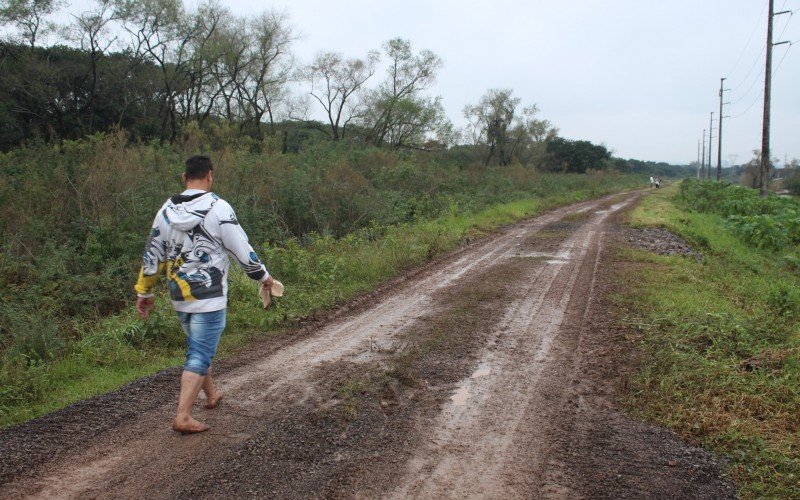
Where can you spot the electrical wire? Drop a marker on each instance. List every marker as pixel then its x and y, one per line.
pixel 752 85
pixel 761 72
pixel 752 67
pixel 782 58
pixel 749 39
pixel 786 25
pixel 761 53
pixel 758 98
pixel 787 48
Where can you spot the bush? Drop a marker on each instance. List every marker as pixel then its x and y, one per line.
pixel 331 220
pixel 770 222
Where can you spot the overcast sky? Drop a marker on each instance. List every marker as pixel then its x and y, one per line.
pixel 639 76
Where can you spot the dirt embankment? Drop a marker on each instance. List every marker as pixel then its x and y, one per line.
pixel 492 372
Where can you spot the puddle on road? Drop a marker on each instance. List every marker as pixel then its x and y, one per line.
pixel 559 257
pixel 460 397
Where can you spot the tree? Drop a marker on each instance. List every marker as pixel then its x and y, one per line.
pixel 397 113
pixel 90 30
pixel 751 175
pixel 268 72
pixel 792 177
pixel 29 17
pixel 162 32
pixel 505 133
pixel 336 84
pixel 208 48
pixel 564 155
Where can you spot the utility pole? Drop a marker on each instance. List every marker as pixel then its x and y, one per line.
pixel 698 159
pixel 703 165
pixel 710 137
pixel 719 134
pixel 764 182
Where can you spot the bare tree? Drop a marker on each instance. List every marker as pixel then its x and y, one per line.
pixel 268 71
pixel 29 17
pixel 398 106
pixel 336 83
pixel 506 133
pixel 206 48
pixel 162 32
pixel 91 31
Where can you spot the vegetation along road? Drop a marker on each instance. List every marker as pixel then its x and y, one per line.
pixel 492 371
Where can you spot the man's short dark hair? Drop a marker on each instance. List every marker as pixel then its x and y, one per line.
pixel 197 167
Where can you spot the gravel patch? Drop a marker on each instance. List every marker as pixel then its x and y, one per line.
pixel 660 241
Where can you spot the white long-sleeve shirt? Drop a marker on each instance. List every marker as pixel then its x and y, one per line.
pixel 193 234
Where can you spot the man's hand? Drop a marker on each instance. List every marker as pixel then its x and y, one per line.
pixel 268 284
pixel 144 305
pixel 265 292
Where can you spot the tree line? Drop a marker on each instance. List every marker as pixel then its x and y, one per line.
pixel 156 68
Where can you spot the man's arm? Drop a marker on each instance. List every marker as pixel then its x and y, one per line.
pixel 235 241
pixel 153 263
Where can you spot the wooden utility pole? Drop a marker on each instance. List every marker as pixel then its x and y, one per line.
pixel 764 178
pixel 703 165
pixel 719 134
pixel 698 159
pixel 710 137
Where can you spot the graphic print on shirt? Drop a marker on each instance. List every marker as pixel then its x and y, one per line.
pixel 253 267
pixel 191 277
pixel 192 238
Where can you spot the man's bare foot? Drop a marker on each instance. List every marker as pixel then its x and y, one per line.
pixel 213 400
pixel 188 425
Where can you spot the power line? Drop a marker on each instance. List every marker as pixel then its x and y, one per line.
pixel 763 48
pixel 785 26
pixel 787 23
pixel 757 25
pixel 758 98
pixel 782 58
pixel 751 87
pixel 760 73
pixel 752 67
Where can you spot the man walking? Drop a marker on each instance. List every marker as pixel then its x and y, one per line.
pixel 192 235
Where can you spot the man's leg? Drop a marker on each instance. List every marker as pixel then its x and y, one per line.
pixel 213 395
pixel 203 332
pixel 190 388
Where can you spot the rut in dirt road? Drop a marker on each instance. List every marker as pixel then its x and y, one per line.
pixel 488 411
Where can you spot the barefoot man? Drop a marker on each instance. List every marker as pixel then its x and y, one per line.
pixel 192 236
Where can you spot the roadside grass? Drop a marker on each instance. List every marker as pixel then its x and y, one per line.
pixel 720 346
pixel 319 272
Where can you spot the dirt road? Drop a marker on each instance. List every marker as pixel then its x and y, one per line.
pixel 489 373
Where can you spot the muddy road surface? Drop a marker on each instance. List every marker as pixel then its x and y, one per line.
pixel 490 373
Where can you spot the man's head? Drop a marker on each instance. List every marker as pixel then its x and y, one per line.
pixel 198 173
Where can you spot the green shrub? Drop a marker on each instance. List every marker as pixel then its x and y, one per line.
pixel 332 220
pixel 770 222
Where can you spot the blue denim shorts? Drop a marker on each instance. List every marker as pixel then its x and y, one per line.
pixel 203 331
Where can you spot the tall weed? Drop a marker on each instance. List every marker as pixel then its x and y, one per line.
pixel 332 221
pixel 771 222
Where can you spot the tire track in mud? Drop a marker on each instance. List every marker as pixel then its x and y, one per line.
pixel 494 437
pixel 125 454
pixel 469 453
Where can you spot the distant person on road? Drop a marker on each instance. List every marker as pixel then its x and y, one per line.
pixel 652 182
pixel 658 182
pixel 192 236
